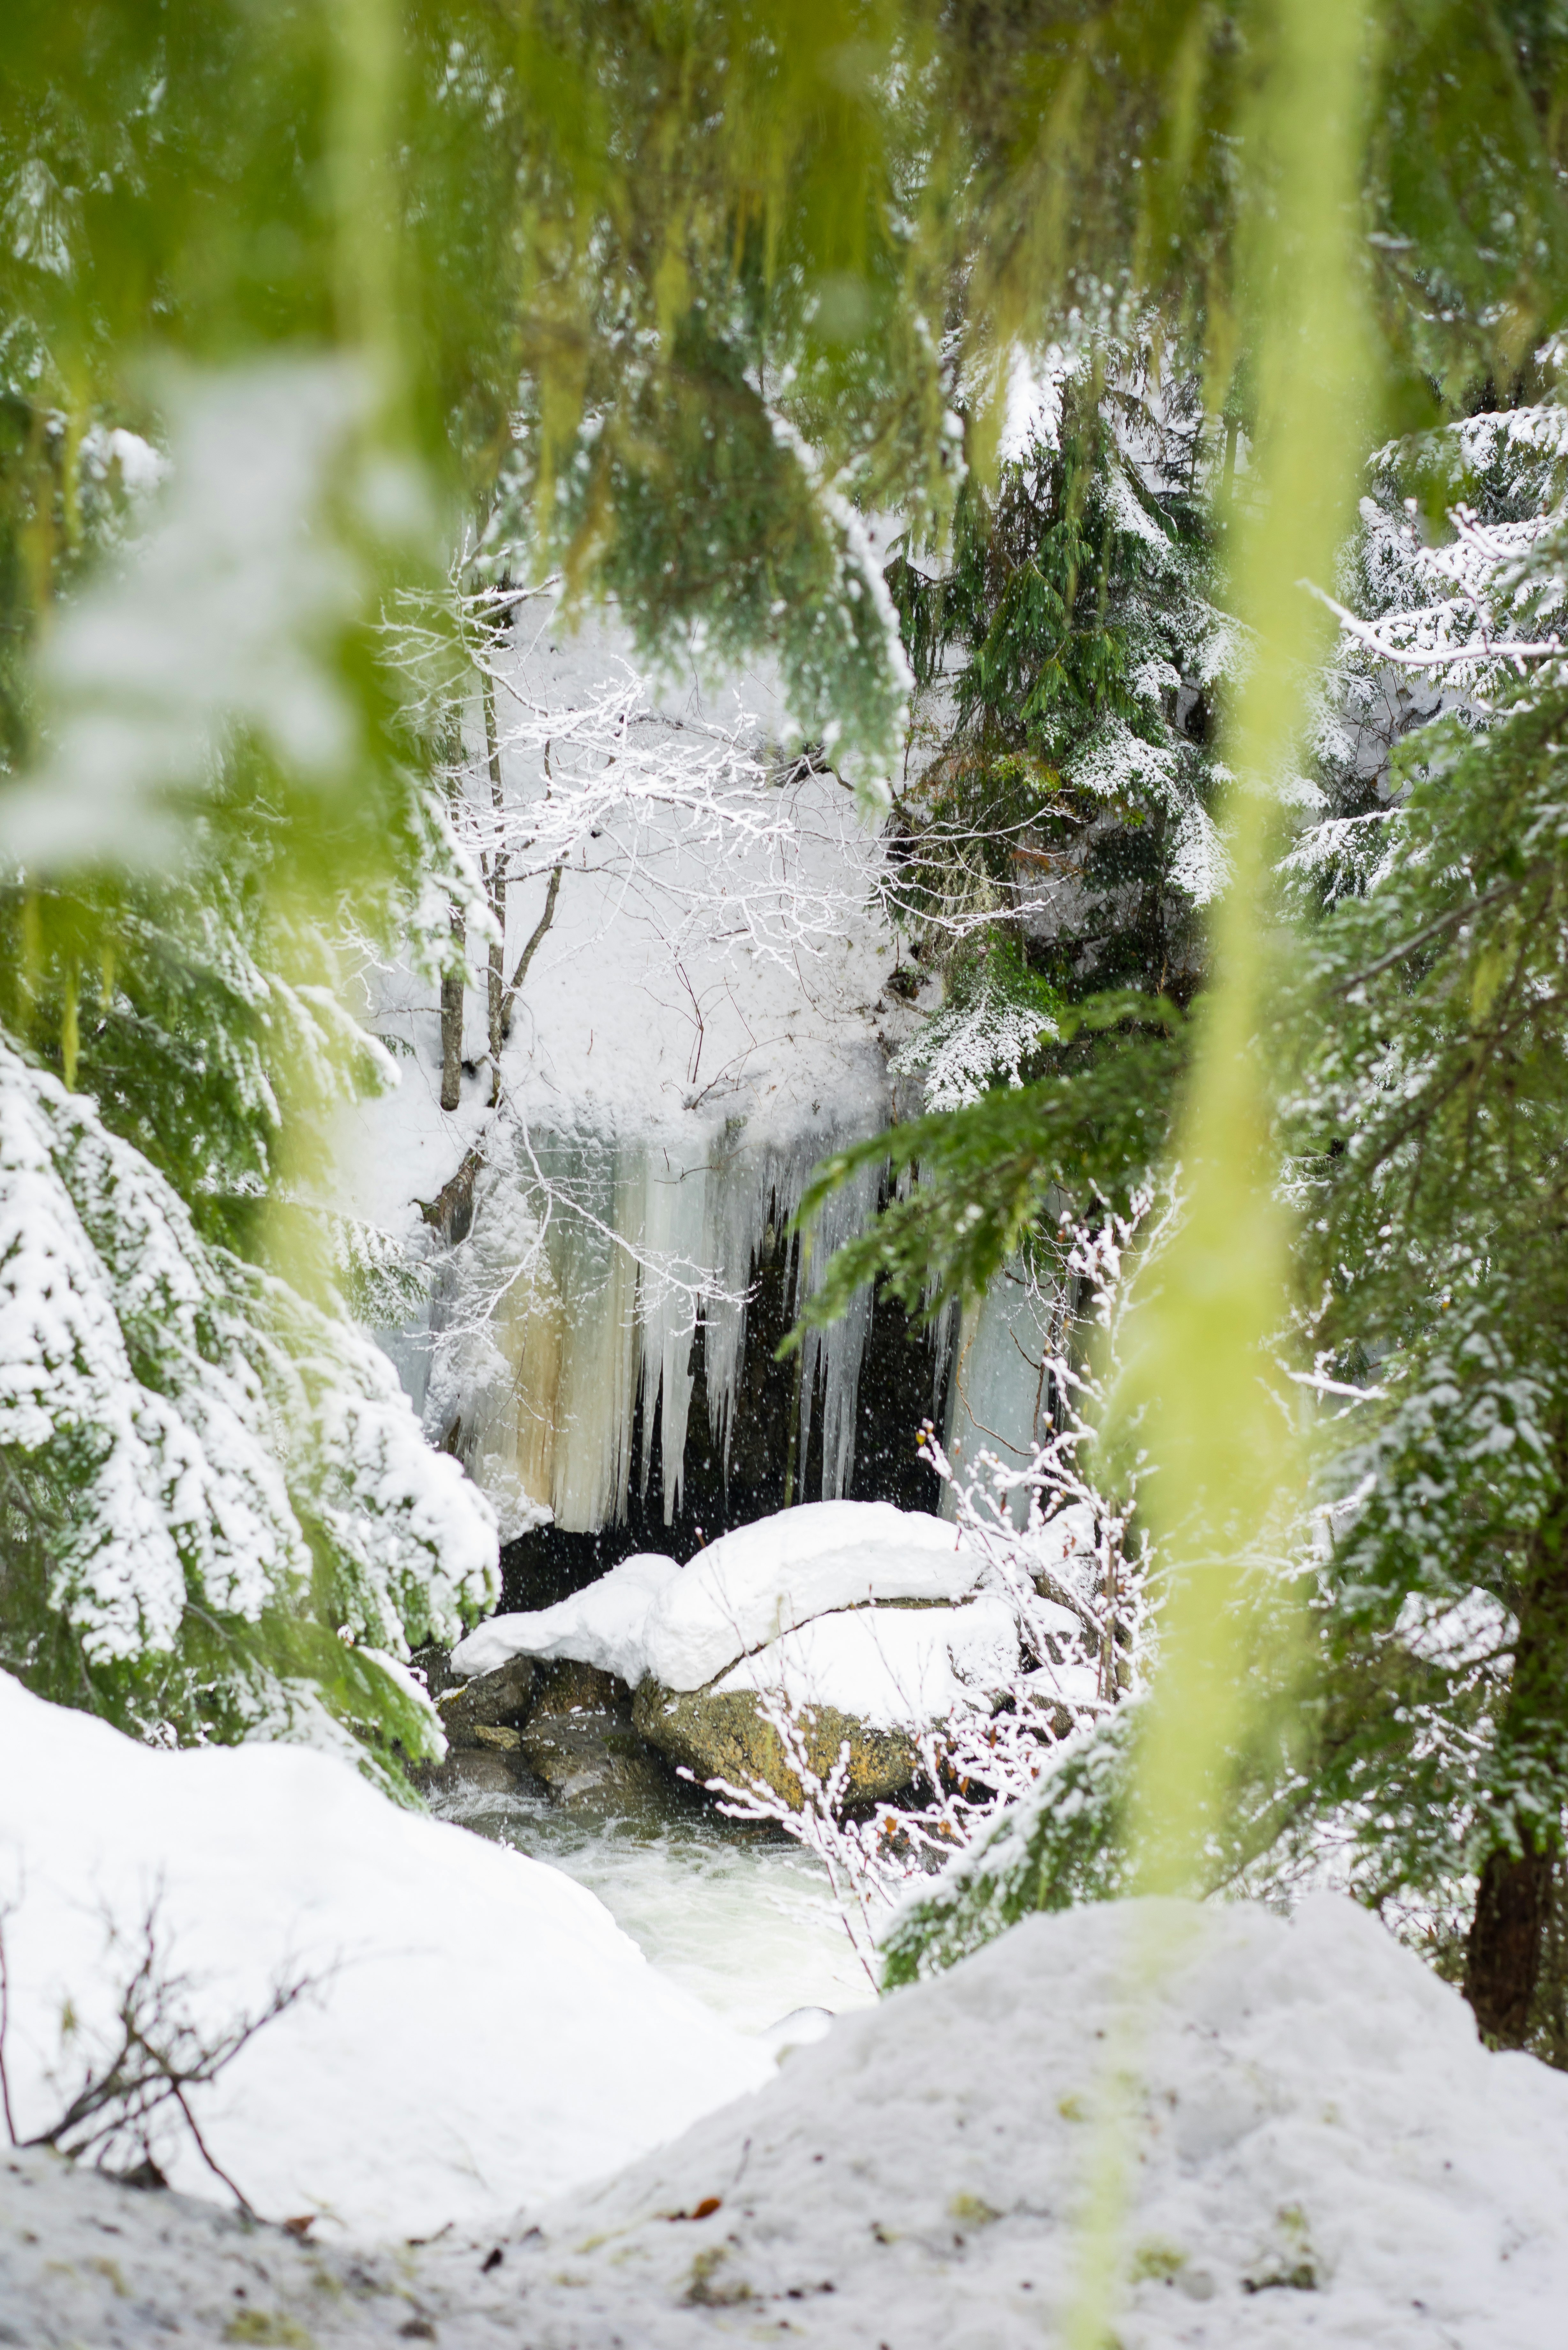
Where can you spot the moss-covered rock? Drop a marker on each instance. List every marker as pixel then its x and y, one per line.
pixel 728 1736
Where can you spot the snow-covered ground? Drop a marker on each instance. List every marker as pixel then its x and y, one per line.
pixel 483 2033
pixel 1292 2128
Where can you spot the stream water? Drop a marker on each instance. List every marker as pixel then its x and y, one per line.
pixel 739 1916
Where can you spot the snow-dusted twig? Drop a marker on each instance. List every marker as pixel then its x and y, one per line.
pixel 153 2055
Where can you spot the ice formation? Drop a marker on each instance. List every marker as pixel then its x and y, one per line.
pixel 998 1393
pixel 705 1020
pixel 575 1302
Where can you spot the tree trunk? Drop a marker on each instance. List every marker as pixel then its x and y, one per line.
pixel 497 878
pixel 451 993
pixel 1502 1964
pixel 1513 1901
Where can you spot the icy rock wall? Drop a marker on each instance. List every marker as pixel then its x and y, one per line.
pixel 575 1300
pixel 997 1396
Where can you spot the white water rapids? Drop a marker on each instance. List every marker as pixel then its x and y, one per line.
pixel 739 1916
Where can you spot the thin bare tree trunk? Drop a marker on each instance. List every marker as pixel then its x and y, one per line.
pixel 451 993
pixel 496 975
pixel 509 1000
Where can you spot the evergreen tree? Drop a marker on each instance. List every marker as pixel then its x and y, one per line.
pixel 1434 1120
pixel 1056 841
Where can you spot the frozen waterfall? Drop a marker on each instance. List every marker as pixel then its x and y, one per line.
pixel 575 1300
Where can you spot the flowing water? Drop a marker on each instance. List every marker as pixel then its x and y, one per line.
pixel 738 1916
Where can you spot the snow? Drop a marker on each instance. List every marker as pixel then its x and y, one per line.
pixel 890 1668
pixel 1317 2149
pixel 961 1048
pixel 806 1573
pixel 769 1577
pixel 483 2034
pixel 1311 2146
pixel 602 1625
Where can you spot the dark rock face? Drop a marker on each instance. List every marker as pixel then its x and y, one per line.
pixel 728 1737
pixel 475 1771
pixel 581 1741
pixel 495 1701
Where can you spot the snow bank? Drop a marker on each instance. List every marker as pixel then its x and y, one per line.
pixel 1318 2152
pixel 489 2037
pixel 602 1625
pixel 765 1579
pixel 891 1668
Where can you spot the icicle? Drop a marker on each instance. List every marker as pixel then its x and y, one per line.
pixel 674 1223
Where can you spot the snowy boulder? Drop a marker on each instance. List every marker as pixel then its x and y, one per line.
pixel 872 1677
pixel 866 1620
pixel 762 1580
pixel 602 1625
pixel 482 2032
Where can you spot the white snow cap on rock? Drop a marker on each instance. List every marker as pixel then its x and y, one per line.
pixel 890 1668
pixel 1318 2152
pixel 765 1579
pixel 483 2031
pixel 602 1625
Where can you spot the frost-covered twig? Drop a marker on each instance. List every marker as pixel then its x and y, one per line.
pixel 153 2053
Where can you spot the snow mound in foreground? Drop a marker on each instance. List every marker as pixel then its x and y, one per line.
pixel 603 1625
pixel 488 2036
pixel 1318 2151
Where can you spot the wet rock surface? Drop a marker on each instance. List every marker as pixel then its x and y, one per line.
pixel 581 1741
pixel 494 1702
pixel 727 1735
pixel 477 1771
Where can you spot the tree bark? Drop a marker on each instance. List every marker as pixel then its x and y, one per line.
pixel 1503 1955
pixel 509 1000
pixel 451 993
pixel 496 975
pixel 1513 1901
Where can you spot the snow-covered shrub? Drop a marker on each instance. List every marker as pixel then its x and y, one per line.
pixel 218 1512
